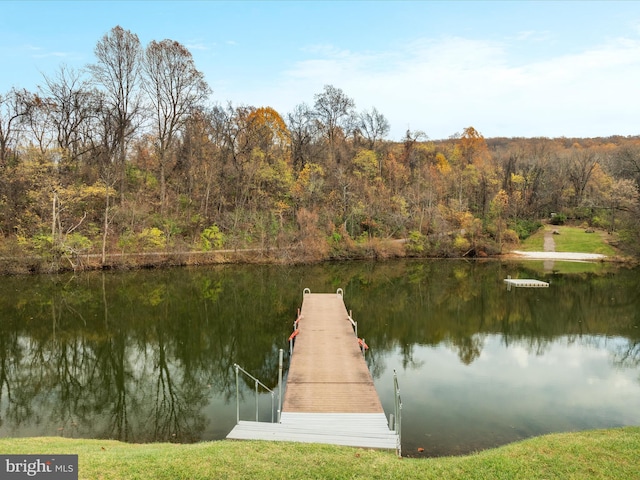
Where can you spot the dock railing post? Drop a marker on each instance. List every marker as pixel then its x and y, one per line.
pixel 280 386
pixel 398 412
pixel 257 403
pixel 237 395
pixel 355 324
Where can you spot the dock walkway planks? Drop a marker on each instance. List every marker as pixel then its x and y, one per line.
pixel 330 396
pixel 327 372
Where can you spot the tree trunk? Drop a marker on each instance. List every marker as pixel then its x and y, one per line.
pixel 105 227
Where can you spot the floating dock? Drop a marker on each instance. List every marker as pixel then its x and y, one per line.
pixel 330 396
pixel 525 282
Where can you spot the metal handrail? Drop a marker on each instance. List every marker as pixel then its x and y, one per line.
pixel 257 383
pixel 398 412
pixel 296 328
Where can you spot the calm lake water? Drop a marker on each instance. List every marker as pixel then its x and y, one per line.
pixel 148 356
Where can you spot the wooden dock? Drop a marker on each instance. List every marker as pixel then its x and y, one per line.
pixel 330 396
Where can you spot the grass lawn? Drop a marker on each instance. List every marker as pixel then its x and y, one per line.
pixel 571 239
pixel 595 454
pixel 534 243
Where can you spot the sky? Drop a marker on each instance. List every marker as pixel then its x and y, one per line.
pixel 507 68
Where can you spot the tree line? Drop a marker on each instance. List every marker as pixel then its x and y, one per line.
pixel 131 154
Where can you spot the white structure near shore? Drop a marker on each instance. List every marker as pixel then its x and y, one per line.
pixel 559 255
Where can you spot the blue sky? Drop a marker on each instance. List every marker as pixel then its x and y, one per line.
pixel 507 68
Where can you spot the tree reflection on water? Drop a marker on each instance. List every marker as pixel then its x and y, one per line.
pixel 147 356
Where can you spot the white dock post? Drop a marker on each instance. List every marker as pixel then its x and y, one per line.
pixel 280 386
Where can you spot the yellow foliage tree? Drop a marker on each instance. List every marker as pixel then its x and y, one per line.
pixel 308 185
pixel 365 164
pixel 269 126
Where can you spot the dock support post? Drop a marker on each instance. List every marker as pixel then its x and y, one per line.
pixel 280 386
pixel 237 396
pixel 257 403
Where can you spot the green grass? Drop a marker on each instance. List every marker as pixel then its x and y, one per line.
pixel 571 239
pixel 583 455
pixel 575 239
pixel 534 243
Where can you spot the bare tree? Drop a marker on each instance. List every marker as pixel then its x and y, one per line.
pixel 13 111
pixel 581 165
pixel 36 120
pixel 72 110
pixel 175 88
pixel 303 133
pixel 335 114
pixel 623 197
pixel 627 162
pixel 117 71
pixel 373 125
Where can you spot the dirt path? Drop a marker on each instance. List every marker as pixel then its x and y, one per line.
pixel 549 242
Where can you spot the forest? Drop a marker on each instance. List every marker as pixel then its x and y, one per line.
pixel 132 156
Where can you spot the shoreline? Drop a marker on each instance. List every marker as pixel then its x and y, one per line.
pixel 274 256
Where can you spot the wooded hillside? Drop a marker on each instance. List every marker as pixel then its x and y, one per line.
pixel 135 154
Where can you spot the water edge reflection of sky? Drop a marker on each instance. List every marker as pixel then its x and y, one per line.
pixel 509 393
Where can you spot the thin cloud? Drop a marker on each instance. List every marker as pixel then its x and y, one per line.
pixel 533 36
pixel 31 48
pixel 431 84
pixel 35 51
pixel 53 54
pixel 199 46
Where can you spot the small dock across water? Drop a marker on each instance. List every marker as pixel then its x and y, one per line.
pixel 330 396
pixel 525 282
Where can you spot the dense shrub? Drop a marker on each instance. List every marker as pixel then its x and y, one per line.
pixel 212 237
pixel 525 228
pixel 415 243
